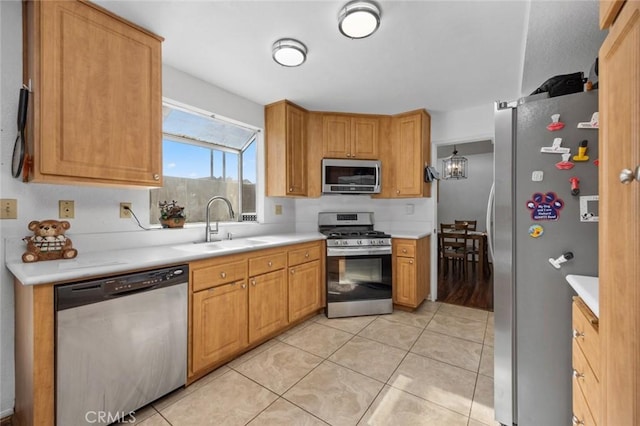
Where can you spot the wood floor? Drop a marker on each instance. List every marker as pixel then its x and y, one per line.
pixel 472 291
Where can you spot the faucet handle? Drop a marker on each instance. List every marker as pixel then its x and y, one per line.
pixel 229 236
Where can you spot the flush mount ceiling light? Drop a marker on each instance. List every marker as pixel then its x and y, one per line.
pixel 289 52
pixel 359 19
pixel 454 167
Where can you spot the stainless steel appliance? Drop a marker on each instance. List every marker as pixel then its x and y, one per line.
pixel 350 176
pixel 121 343
pixel 536 218
pixel 358 265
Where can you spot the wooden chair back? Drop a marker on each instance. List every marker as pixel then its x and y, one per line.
pixel 453 240
pixel 471 224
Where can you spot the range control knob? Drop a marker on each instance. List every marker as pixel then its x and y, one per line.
pixel 381 242
pixel 359 242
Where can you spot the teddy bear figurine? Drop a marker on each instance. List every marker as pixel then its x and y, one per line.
pixel 48 241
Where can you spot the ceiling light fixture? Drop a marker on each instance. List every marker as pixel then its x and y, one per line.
pixel 289 52
pixel 454 167
pixel 359 19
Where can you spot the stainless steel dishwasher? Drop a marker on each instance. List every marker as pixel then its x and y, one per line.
pixel 121 342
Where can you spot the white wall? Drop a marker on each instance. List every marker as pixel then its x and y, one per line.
pixel 471 124
pixel 466 199
pixel 97 224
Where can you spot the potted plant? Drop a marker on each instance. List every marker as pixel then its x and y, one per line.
pixel 171 214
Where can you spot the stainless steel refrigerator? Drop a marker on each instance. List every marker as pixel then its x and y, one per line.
pixel 538 217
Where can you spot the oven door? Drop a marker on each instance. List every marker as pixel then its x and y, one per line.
pixel 355 276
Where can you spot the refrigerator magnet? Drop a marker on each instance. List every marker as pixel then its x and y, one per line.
pixel 589 208
pixel 566 163
pixel 536 231
pixel 555 148
pixel 555 124
pixel 582 152
pixel 545 206
pixel 592 124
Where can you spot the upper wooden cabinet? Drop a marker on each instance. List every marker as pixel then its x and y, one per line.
pixel 406 156
pixel 345 136
pixel 286 150
pixel 609 11
pixel 95 115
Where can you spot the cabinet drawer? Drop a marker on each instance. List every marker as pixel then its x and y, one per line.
pixel 267 263
pixel 585 333
pixel 405 249
pixel 581 414
pixel 585 379
pixel 304 255
pixel 218 274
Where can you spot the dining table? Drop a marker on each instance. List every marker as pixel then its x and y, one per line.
pixel 483 259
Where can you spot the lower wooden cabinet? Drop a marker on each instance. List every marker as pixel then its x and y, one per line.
pixel 586 365
pixel 411 271
pixel 226 306
pixel 267 304
pixel 239 301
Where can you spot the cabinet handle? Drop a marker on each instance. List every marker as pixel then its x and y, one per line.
pixel 577 333
pixel 290 189
pixel 411 262
pixel 627 176
pixel 244 286
pixel 577 374
pixel 576 421
pixel 156 176
pixel 253 283
pixel 223 274
pixel 398 192
pixel 306 255
pixel 293 271
pixel 404 250
pixel 270 263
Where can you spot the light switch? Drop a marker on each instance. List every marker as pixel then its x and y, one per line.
pixel 8 208
pixel 278 209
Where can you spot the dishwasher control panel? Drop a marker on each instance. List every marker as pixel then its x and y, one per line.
pixel 82 293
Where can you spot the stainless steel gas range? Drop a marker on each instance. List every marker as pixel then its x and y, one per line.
pixel 358 265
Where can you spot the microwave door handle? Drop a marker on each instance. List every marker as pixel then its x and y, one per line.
pixel 377 175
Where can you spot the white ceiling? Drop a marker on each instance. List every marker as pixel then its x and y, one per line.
pixel 438 55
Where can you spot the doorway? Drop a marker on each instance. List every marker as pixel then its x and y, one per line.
pixel 466 200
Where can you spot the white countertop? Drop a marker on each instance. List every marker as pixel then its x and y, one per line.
pixel 412 235
pixel 109 262
pixel 587 289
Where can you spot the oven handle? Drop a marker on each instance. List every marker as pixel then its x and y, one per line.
pixel 351 252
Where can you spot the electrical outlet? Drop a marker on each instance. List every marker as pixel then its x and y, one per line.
pixel 125 213
pixel 66 209
pixel 278 209
pixel 8 208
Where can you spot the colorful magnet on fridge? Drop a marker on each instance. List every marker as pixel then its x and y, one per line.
pixel 593 124
pixel 555 148
pixel 545 206
pixel 575 185
pixel 555 124
pixel 596 162
pixel 536 231
pixel 565 164
pixel 582 151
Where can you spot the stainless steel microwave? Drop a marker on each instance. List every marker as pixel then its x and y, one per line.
pixel 350 176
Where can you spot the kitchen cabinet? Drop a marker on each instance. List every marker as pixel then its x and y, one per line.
pixel 404 159
pixel 95 113
pixel 285 150
pixel 218 295
pixel 306 286
pixel 619 227
pixel 411 271
pixel 267 295
pixel 586 364
pixel 350 136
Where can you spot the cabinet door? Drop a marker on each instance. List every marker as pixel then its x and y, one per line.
pixel 97 96
pixel 404 289
pixel 619 227
pixel 296 152
pixel 407 154
pixel 305 290
pixel 219 324
pixel 365 139
pixel 336 136
pixel 267 304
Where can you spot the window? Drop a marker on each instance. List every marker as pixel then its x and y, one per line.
pixel 204 156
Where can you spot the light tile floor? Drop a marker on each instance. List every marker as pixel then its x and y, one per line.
pixel 433 366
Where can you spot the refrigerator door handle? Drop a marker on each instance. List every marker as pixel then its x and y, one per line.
pixel 489 223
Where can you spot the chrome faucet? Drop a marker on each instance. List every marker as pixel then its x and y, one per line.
pixel 208 230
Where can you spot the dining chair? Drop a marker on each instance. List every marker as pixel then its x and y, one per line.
pixel 453 246
pixel 474 249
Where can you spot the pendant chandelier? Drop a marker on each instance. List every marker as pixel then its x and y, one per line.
pixel 454 167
